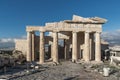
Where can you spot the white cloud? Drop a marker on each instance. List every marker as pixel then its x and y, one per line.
pixel 5 40
pixel 112 37
pixel 24 37
pixel 9 42
pixel 118 30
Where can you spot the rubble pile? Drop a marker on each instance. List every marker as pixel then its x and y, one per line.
pixel 11 59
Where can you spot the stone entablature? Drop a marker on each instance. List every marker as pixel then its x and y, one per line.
pixel 78 23
pixel 93 20
pixel 70 27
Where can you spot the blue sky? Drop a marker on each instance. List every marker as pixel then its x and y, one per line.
pixel 16 14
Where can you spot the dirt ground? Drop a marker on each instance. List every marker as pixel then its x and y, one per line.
pixel 64 71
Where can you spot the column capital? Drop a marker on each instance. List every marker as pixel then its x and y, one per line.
pixel 87 31
pixel 42 30
pixel 33 32
pixel 98 32
pixel 75 31
pixel 30 31
pixel 55 31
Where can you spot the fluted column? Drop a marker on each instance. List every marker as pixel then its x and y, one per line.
pixel 52 50
pixel 33 46
pixel 55 47
pixel 66 49
pixel 74 47
pixel 97 47
pixel 92 54
pixel 87 47
pixel 42 49
pixel 29 46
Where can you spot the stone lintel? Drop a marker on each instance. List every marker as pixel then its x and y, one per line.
pixel 79 22
pixel 88 31
pixel 98 32
pixel 95 20
pixel 75 31
pixel 42 30
pixel 56 30
pixel 33 28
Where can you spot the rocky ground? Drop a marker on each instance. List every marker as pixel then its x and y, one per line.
pixel 64 71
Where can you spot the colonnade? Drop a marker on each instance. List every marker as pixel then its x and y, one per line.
pixel 87 48
pixel 31 51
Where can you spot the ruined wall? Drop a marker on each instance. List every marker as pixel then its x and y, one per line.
pixel 21 45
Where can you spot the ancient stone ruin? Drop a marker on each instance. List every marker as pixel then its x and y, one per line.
pixel 81 38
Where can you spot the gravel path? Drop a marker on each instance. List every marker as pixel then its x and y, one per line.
pixel 66 71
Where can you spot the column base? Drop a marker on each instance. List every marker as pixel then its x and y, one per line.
pixel 95 62
pixel 41 62
pixel 56 63
pixel 89 62
pixel 51 59
pixel 99 62
pixel 74 61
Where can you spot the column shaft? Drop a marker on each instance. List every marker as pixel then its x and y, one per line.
pixel 66 49
pixel 42 49
pixel 87 47
pixel 29 46
pixel 97 47
pixel 33 46
pixel 55 47
pixel 92 47
pixel 52 50
pixel 74 47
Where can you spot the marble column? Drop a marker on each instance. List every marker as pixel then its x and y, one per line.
pixel 42 49
pixel 66 49
pixel 55 47
pixel 33 46
pixel 87 47
pixel 74 47
pixel 29 46
pixel 92 54
pixel 97 47
pixel 79 46
pixel 52 50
